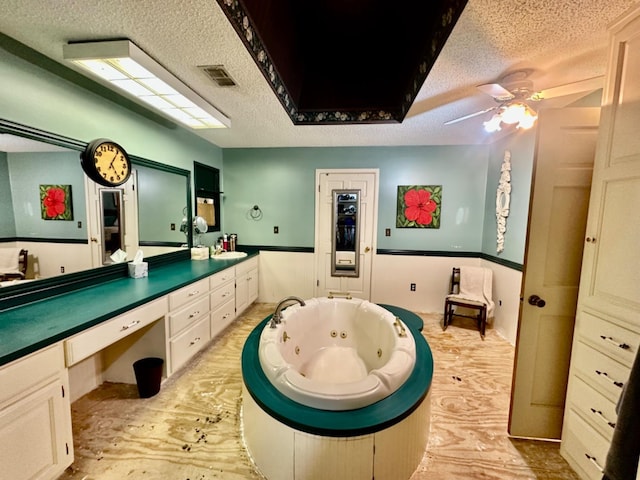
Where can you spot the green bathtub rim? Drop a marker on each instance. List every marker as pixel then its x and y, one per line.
pixel 349 423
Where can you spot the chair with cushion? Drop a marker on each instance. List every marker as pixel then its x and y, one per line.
pixel 469 296
pixel 13 263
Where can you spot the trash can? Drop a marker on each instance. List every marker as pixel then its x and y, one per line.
pixel 148 373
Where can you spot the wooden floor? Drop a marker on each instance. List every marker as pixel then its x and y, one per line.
pixel 191 429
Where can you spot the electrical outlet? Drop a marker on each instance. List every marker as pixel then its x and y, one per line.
pixel 79 224
pixel 275 230
pixel 412 287
pixel 387 232
pixel 173 226
pixel 499 303
pixel 61 269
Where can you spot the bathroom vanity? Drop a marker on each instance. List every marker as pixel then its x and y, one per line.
pixel 55 350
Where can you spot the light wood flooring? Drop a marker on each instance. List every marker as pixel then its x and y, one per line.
pixel 191 429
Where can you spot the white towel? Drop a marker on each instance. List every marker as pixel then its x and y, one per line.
pixel 9 258
pixel 475 285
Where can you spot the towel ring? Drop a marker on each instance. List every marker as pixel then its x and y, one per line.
pixel 255 213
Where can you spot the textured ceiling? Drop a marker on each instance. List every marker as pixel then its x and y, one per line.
pixel 557 42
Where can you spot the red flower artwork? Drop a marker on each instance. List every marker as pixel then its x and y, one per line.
pixel 419 206
pixel 55 202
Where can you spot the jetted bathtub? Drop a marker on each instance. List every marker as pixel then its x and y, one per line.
pixel 337 354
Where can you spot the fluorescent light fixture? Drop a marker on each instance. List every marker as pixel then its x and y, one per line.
pixel 121 64
pixel 516 113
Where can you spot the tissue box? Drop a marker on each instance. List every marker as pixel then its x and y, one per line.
pixel 200 253
pixel 138 270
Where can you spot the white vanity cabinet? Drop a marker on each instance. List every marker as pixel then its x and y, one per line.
pixel 607 332
pixel 246 284
pixel 188 321
pixel 35 416
pixel 222 300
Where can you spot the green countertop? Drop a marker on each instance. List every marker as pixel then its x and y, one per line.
pixel 28 328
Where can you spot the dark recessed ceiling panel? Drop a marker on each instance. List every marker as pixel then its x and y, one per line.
pixel 344 61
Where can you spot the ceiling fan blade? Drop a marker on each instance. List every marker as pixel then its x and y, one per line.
pixel 497 91
pixel 590 84
pixel 471 115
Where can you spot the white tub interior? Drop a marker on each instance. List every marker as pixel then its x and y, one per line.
pixel 337 354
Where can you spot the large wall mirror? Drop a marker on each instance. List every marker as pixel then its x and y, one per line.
pixel 147 216
pixel 346 233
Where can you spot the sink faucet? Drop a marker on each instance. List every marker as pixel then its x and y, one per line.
pixel 276 318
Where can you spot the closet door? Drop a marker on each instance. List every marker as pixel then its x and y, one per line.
pixel 610 279
pixel 607 334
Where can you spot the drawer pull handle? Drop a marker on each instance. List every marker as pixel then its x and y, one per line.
pixel 194 341
pixel 623 346
pixel 601 415
pixel 194 314
pixel 593 460
pixel 132 324
pixel 195 292
pixel 606 375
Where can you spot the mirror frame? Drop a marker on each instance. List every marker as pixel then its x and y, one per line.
pixel 335 272
pixel 45 287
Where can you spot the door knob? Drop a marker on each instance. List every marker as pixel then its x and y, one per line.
pixel 367 249
pixel 536 301
pixel 94 239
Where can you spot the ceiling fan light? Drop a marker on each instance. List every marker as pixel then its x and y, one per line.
pixel 527 121
pixel 493 125
pixel 513 113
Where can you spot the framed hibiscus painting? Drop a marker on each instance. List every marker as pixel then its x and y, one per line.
pixel 419 206
pixel 55 202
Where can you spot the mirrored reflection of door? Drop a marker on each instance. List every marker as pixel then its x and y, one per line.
pixel 112 217
pixel 112 210
pixel 346 252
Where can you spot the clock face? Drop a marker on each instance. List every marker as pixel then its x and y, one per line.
pixel 111 163
pixel 106 163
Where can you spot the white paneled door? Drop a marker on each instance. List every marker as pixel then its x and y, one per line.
pixel 565 151
pixel 564 156
pixel 366 181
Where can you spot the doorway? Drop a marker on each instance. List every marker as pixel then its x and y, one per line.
pixel 345 225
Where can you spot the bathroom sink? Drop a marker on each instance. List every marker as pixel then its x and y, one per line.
pixel 229 255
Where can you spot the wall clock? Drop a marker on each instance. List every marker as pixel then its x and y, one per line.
pixel 105 162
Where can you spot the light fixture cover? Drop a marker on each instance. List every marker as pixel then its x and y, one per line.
pixel 121 64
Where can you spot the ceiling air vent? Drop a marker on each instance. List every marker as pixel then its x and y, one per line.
pixel 218 74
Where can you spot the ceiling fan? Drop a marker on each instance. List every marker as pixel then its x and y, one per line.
pixel 513 100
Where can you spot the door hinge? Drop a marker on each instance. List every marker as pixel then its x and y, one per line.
pixel 62 387
pixel 317 283
pixel 66 446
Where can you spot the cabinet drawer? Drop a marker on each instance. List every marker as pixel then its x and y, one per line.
pixel 96 338
pixel 184 317
pixel 596 409
pixel 188 293
pixel 585 446
pixel 222 294
pixel 246 266
pixel 616 341
pixel 188 343
pixel 222 317
pixel 601 372
pixel 22 376
pixel 221 278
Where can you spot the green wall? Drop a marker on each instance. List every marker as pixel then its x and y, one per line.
pixel 34 96
pixel 521 145
pixel 7 218
pixel 282 182
pixel 26 174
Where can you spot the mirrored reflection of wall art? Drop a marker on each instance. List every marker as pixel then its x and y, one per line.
pixel 55 202
pixel 419 206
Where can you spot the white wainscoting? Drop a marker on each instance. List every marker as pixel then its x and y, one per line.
pixel 292 273
pixel 45 259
